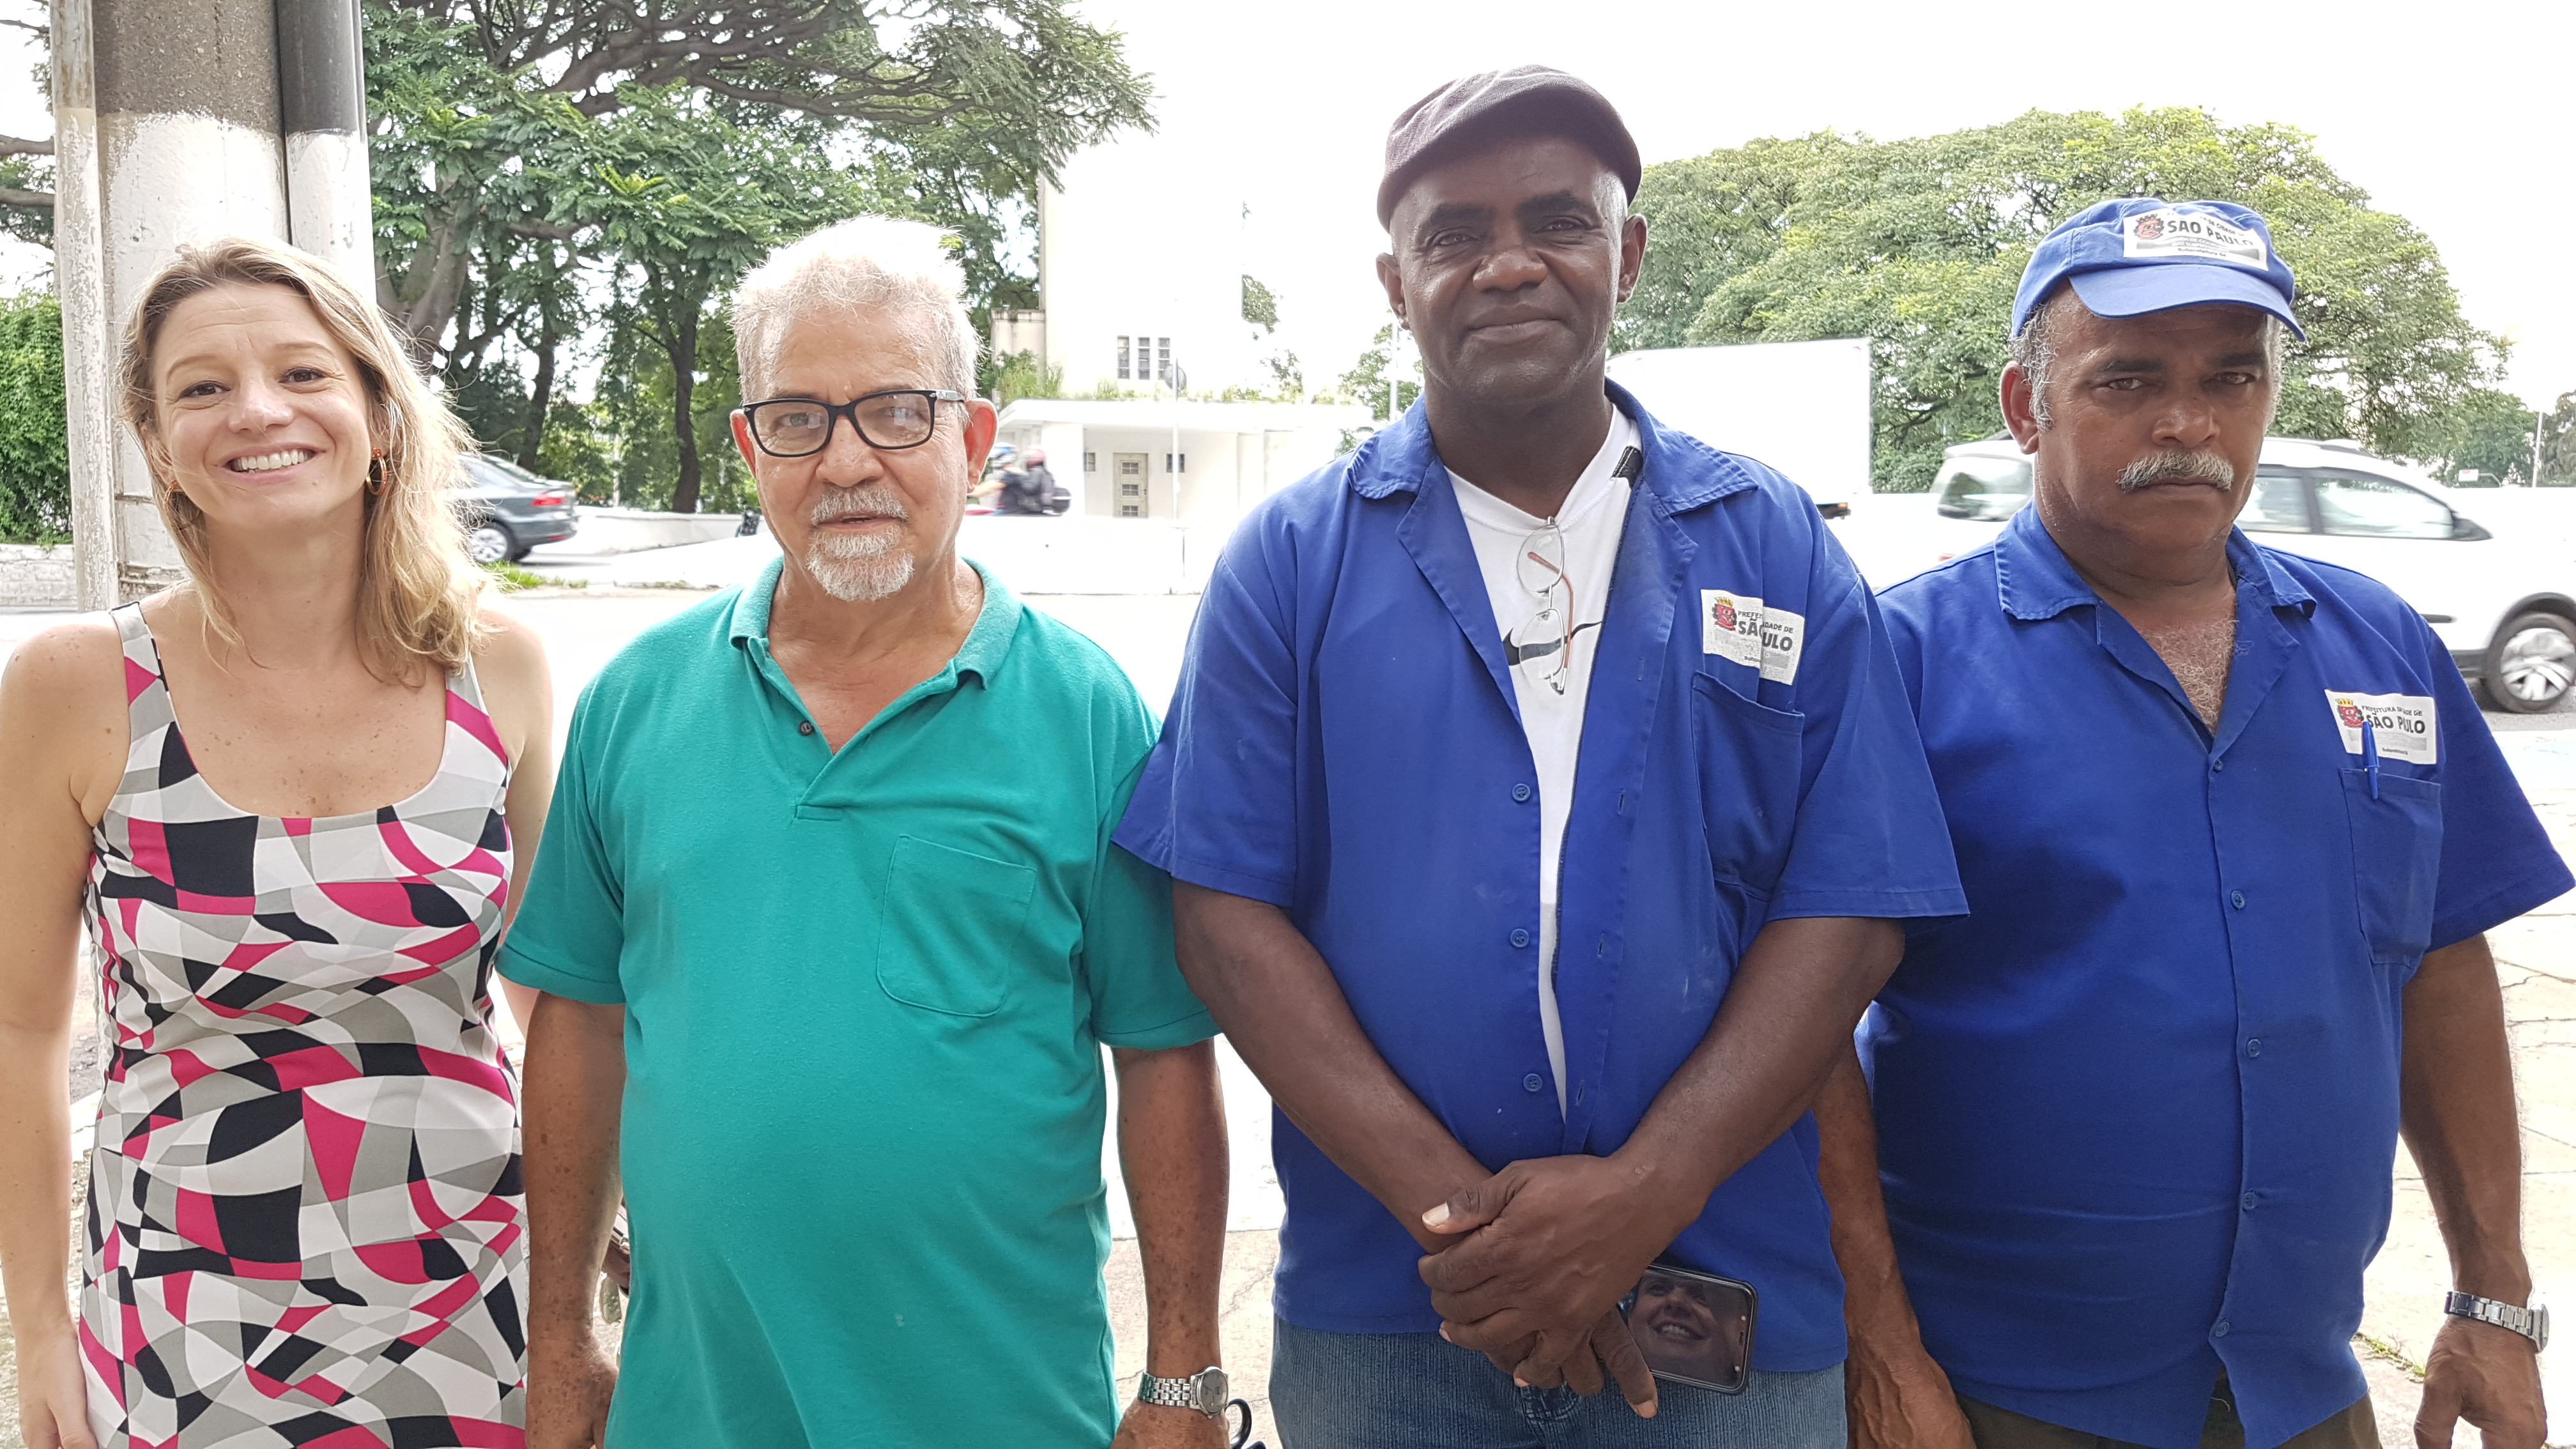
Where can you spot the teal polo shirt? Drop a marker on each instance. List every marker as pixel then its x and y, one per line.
pixel 865 994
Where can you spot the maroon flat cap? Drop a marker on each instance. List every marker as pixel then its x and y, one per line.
pixel 1526 100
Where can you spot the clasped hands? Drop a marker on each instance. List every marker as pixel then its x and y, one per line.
pixel 1537 1258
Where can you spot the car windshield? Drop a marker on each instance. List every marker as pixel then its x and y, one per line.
pixel 508 469
pixel 2359 505
pixel 1982 488
pixel 2279 505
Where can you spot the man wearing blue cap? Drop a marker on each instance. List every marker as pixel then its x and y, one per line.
pixel 2231 830
pixel 1542 799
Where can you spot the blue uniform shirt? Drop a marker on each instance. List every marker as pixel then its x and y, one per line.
pixel 1345 744
pixel 2138 1112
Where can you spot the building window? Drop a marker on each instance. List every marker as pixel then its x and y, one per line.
pixel 1091 462
pixel 1163 368
pixel 1122 359
pixel 1183 463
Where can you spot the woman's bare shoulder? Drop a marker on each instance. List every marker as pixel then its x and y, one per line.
pixel 510 663
pixel 62 703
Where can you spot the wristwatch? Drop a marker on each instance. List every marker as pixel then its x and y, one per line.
pixel 2532 1323
pixel 1204 1391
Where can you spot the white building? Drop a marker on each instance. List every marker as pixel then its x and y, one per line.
pixel 1119 459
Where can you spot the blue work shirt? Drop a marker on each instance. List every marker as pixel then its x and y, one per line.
pixel 2138 1112
pixel 1345 744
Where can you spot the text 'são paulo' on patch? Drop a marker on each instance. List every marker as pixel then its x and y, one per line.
pixel 1737 627
pixel 2171 233
pixel 2404 723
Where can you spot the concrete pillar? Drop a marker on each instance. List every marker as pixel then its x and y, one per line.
pixel 181 121
pixel 322 112
pixel 88 336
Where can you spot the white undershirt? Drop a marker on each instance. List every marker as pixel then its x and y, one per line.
pixel 1590 521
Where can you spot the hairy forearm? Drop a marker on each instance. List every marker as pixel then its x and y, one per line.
pixel 1283 1011
pixel 2457 1104
pixel 1171 1148
pixel 576 1077
pixel 1787 1019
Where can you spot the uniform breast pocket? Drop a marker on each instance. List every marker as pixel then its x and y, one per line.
pixel 952 927
pixel 2396 859
pixel 1750 757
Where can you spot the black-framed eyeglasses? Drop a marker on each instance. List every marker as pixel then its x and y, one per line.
pixel 798 427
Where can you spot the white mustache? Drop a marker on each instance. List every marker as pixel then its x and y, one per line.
pixel 2179 465
pixel 840 503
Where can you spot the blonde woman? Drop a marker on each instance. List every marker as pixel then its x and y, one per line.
pixel 284 796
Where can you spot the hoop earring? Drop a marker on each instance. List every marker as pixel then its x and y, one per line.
pixel 376 474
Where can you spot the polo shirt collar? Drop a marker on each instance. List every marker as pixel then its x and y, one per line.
pixel 1400 457
pixel 996 623
pixel 2033 579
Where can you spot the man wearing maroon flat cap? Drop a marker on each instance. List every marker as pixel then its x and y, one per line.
pixel 1533 1028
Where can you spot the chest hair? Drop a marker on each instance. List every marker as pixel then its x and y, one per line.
pixel 2198 654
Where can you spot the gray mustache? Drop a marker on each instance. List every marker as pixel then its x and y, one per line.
pixel 840 503
pixel 2195 466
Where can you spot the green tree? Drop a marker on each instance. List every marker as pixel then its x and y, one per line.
pixel 1260 304
pixel 970 102
pixel 1368 379
pixel 35 458
pixel 1919 244
pixel 2489 431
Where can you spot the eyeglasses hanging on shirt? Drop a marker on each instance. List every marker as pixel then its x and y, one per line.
pixel 1545 639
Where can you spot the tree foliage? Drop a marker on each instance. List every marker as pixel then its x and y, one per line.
pixel 1919 244
pixel 35 456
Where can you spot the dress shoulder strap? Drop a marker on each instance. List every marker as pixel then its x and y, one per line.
pixel 147 696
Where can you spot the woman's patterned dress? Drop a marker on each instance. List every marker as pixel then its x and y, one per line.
pixel 305 1220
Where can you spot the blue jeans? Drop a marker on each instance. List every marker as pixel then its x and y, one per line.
pixel 1420 1391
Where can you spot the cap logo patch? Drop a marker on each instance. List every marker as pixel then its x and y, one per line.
pixel 2195 235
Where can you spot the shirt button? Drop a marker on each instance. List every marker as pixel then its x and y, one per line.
pixel 2218 1329
pixel 2215 766
pixel 1520 937
pixel 2248 1201
pixel 1532 1083
pixel 804 727
pixel 2254 1046
pixel 1520 792
pixel 2236 899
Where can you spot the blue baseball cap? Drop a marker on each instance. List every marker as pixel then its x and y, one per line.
pixel 2143 254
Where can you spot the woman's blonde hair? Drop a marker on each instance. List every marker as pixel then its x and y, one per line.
pixel 417 594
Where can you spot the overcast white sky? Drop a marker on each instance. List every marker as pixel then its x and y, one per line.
pixel 2457 115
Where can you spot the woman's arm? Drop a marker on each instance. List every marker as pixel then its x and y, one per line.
pixel 62 733
pixel 518 693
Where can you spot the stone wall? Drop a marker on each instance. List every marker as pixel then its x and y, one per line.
pixel 33 577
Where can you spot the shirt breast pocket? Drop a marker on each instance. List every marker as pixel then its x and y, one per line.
pixel 2396 861
pixel 951 928
pixel 1750 759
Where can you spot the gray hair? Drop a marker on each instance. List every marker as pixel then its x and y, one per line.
pixel 862 264
pixel 2035 350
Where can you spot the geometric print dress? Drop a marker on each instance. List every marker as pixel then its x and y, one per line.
pixel 306 1223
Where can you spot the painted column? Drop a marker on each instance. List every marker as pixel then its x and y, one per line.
pixel 89 348
pixel 188 151
pixel 322 110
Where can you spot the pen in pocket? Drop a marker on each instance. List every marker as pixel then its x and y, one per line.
pixel 2370 755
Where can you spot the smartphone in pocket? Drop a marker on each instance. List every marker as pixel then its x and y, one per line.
pixel 1693 1328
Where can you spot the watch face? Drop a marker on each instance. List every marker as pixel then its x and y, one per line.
pixel 1212 1392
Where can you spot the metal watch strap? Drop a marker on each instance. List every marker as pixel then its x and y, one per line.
pixel 2532 1323
pixel 1184 1393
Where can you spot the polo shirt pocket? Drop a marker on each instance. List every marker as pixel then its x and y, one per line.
pixel 2396 861
pixel 1749 761
pixel 951 928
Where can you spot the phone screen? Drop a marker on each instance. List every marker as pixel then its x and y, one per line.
pixel 1693 1328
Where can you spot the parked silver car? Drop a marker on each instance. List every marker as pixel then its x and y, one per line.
pixel 508 510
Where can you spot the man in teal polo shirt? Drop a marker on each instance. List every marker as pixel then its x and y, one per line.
pixel 831 933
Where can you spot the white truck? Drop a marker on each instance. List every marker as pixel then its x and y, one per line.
pixel 1801 407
